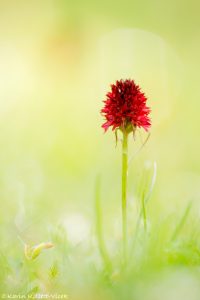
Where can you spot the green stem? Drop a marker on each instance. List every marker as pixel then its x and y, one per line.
pixel 144 212
pixel 99 230
pixel 124 192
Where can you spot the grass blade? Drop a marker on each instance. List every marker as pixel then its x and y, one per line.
pixel 99 229
pixel 181 222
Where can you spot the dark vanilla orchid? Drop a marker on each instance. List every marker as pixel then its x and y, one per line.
pixel 125 107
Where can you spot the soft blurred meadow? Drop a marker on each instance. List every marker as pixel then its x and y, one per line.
pixel 57 61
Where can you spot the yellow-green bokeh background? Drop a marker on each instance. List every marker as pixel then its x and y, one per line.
pixel 57 60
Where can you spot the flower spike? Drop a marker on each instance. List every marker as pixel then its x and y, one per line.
pixel 125 107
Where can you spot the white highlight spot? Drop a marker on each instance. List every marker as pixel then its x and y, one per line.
pixel 77 227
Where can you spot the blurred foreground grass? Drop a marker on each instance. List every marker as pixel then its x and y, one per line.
pixel 163 259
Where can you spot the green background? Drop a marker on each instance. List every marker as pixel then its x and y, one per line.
pixel 57 61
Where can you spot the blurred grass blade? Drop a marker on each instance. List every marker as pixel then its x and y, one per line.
pixel 144 199
pixel 146 196
pixel 140 148
pixel 99 229
pixel 143 209
pixel 152 182
pixel 181 222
